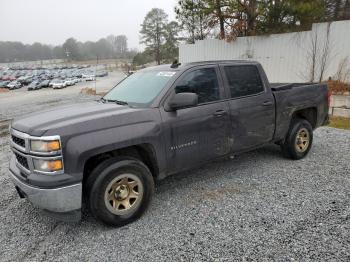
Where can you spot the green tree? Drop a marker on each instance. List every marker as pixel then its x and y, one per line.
pixel 232 18
pixel 337 10
pixel 57 52
pixel 169 49
pixel 71 49
pixel 121 43
pixel 192 18
pixel 143 58
pixel 153 31
pixel 280 16
pixel 217 11
pixel 103 49
pixel 235 18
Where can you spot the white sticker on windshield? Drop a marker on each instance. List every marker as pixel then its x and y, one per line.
pixel 167 74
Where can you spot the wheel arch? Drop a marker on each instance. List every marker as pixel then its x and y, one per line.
pixel 309 114
pixel 144 152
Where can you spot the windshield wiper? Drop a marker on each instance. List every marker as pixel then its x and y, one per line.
pixel 118 102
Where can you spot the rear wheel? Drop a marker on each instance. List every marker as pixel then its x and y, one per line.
pixel 299 138
pixel 119 190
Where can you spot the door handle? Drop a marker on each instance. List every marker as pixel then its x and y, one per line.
pixel 267 103
pixel 220 113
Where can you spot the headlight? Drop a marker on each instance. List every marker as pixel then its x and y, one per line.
pixel 45 146
pixel 48 165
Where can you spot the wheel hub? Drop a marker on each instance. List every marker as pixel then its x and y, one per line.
pixel 123 194
pixel 302 140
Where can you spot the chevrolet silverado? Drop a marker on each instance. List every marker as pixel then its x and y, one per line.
pixel 107 154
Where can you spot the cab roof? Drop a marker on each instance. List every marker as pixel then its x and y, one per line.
pixel 180 67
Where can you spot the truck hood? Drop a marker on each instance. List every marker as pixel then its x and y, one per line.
pixel 78 117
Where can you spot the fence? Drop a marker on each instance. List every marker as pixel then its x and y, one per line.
pixel 340 106
pixel 305 56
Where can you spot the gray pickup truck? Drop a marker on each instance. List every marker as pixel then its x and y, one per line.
pixel 108 154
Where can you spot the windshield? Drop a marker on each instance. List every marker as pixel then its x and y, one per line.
pixel 140 88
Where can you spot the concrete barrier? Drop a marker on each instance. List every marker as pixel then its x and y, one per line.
pixel 340 106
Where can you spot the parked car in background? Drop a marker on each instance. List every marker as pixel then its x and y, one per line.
pixel 53 81
pixel 102 74
pixel 44 83
pixel 7 77
pixel 70 74
pixel 76 80
pixel 3 84
pixel 59 84
pixel 14 85
pixel 69 82
pixel 34 85
pixel 89 77
pixel 27 80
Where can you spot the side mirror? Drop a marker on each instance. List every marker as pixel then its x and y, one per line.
pixel 182 100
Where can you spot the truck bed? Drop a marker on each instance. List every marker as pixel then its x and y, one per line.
pixel 293 97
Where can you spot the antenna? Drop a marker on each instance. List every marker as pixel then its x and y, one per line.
pixel 175 64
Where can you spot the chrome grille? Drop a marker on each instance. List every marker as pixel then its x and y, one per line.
pixel 22 160
pixel 18 141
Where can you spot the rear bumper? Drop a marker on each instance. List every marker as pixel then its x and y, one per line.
pixel 56 201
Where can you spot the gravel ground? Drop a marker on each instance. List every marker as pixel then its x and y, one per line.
pixel 258 206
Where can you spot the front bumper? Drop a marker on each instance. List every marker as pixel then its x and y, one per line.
pixel 67 199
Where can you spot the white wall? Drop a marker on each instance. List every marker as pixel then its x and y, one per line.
pixel 285 57
pixel 340 106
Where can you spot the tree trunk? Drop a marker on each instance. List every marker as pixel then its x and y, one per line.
pixel 346 14
pixel 221 19
pixel 251 17
pixel 337 9
pixel 158 44
pixel 201 36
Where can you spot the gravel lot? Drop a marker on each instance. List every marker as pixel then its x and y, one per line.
pixel 258 206
pixel 21 101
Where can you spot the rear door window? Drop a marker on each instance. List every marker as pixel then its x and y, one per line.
pixel 243 80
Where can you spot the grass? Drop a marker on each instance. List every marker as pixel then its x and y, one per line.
pixel 340 122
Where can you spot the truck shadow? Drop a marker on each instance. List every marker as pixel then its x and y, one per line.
pixel 196 181
pixel 219 168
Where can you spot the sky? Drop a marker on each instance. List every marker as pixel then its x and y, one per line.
pixel 53 21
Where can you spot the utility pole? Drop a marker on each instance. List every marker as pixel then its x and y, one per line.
pixel 67 54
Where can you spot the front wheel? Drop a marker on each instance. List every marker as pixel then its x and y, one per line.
pixel 298 141
pixel 119 190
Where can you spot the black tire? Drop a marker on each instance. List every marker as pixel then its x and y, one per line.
pixel 290 146
pixel 100 179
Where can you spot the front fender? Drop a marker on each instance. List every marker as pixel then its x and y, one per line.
pixel 80 148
